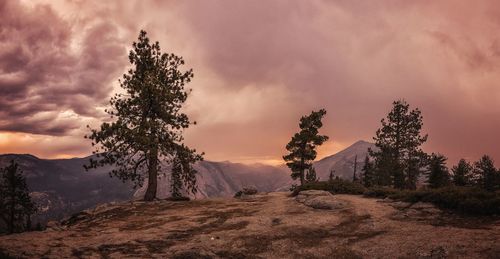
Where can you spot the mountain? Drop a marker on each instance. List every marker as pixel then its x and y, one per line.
pixel 342 163
pixel 62 187
pixel 224 179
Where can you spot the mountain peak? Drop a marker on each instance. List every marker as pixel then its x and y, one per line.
pixel 362 142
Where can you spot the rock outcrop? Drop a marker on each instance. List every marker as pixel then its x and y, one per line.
pixel 272 225
pixel 320 200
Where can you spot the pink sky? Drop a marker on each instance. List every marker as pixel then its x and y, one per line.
pixel 259 66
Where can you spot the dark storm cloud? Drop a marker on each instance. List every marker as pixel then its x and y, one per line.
pixel 49 66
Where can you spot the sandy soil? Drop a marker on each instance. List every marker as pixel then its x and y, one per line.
pixel 271 225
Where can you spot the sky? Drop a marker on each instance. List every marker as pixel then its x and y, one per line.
pixel 258 67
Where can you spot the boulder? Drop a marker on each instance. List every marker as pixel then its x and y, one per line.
pixel 315 193
pixel 400 205
pixel 423 206
pixel 320 200
pixel 304 195
pixel 75 218
pixel 246 192
pixel 54 226
pixel 324 203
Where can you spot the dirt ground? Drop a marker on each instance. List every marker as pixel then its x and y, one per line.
pixel 270 225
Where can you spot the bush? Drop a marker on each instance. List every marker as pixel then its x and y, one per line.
pixel 246 191
pixel 336 186
pixel 178 198
pixel 468 200
pixel 379 192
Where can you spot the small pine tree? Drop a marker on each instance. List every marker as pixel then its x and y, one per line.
pixel 487 176
pixel 302 146
pixel 355 177
pixel 438 175
pixel 462 173
pixel 16 204
pixel 332 174
pixel 311 175
pixel 398 144
pixel 367 178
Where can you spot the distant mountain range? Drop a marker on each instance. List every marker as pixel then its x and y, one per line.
pixel 61 186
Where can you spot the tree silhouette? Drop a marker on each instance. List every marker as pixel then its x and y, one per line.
pixel 398 144
pixel 302 146
pixel 462 173
pixel 331 176
pixel 311 175
pixel 16 205
pixel 367 169
pixel 354 164
pixel 438 175
pixel 486 174
pixel 147 132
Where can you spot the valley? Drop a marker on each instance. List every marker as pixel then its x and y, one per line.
pixel 61 187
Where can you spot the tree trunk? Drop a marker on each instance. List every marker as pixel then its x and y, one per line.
pixel 354 177
pixel 302 171
pixel 11 219
pixel 28 222
pixel 152 176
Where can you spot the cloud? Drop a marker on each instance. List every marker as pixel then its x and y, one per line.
pixel 41 71
pixel 259 67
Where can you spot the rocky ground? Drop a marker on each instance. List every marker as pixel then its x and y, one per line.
pixel 315 224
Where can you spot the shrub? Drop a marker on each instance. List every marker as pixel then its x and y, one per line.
pixel 178 198
pixel 468 200
pixel 246 191
pixel 336 186
pixel 379 192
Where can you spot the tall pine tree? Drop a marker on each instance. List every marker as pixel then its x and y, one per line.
pixel 147 132
pixel 462 173
pixel 399 157
pixel 302 146
pixel 16 206
pixel 438 175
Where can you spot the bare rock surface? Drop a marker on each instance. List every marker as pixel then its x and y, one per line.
pixel 416 211
pixel 270 225
pixel 320 200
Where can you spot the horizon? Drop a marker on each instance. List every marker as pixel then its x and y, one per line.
pixel 257 70
pixel 276 163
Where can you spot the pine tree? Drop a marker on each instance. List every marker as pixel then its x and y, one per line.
pixel 311 175
pixel 486 174
pixel 354 165
pixel 398 142
pixel 438 175
pixel 149 124
pixel 383 164
pixel 462 173
pixel 16 204
pixel 332 174
pixel 367 178
pixel 302 146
